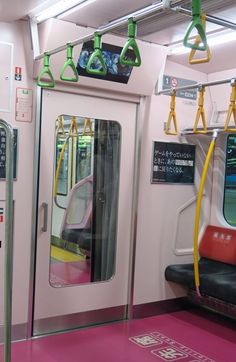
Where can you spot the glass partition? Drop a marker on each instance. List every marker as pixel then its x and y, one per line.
pixel 85 202
pixel 230 182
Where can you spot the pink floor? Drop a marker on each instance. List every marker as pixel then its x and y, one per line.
pixel 69 273
pixel 181 336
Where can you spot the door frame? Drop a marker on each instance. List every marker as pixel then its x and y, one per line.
pixel 141 105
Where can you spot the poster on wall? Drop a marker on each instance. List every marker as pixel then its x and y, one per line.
pixel 24 105
pixel 173 163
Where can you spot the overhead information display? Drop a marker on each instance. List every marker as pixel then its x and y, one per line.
pixel 170 82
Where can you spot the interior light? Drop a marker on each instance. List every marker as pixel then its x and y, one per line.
pixel 219 38
pixel 53 9
pixel 75 8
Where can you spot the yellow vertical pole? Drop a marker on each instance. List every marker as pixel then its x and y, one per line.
pixel 198 212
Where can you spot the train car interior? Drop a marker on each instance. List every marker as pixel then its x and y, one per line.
pixel 117 181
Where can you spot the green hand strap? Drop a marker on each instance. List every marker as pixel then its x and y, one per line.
pixel 97 56
pixel 131 44
pixel 46 72
pixel 69 64
pixel 196 24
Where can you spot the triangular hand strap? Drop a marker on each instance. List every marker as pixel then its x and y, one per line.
pixel 88 125
pixel 60 126
pixel 131 44
pixel 200 114
pixel 198 40
pixel 172 115
pixel 69 64
pixel 46 72
pixel 96 64
pixel 231 110
pixel 198 25
pixel 73 131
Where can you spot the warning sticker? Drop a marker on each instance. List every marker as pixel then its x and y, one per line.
pixel 1 214
pixel 18 74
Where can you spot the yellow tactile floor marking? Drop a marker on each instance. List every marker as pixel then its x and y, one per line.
pixel 64 255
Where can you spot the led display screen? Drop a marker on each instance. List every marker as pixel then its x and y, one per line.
pixel 116 72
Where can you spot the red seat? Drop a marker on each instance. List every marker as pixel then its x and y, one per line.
pixel 219 244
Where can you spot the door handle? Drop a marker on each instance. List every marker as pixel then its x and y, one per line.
pixel 45 217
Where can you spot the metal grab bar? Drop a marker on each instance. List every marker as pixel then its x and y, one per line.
pixel 8 264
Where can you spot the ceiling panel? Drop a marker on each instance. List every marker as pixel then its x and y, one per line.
pixel 102 12
pixel 223 57
pixel 11 10
pixel 171 27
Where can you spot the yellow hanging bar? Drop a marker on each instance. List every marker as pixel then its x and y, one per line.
pixel 172 115
pixel 73 131
pixel 60 126
pixel 88 124
pixel 200 112
pixel 198 211
pixel 232 109
pixel 198 41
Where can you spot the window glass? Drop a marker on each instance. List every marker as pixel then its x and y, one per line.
pixel 83 157
pixel 62 187
pixel 230 182
pixel 85 201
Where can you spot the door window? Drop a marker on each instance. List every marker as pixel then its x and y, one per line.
pixel 230 182
pixel 85 201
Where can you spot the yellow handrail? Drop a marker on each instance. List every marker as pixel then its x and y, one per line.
pixel 198 211
pixel 232 109
pixel 73 132
pixel 172 115
pixel 198 41
pixel 200 113
pixel 88 124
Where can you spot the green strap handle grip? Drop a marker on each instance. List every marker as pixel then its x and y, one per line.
pixel 131 44
pixel 196 24
pixel 69 64
pixel 97 55
pixel 46 71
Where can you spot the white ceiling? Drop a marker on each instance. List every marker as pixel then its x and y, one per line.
pixel 102 12
pixel 11 10
pixel 223 57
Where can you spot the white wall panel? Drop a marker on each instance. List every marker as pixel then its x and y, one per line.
pixel 18 34
pixel 159 204
pixel 6 73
